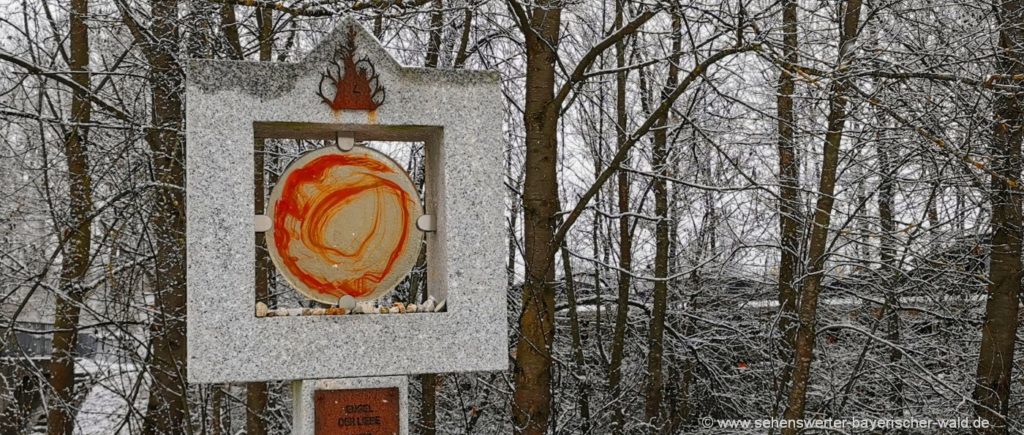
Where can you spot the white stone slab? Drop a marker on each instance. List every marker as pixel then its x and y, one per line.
pixel 457 114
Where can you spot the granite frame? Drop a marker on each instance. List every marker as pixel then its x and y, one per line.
pixel 457 114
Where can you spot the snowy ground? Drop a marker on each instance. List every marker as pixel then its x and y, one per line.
pixel 112 405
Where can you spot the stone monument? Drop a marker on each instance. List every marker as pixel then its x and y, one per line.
pixel 343 225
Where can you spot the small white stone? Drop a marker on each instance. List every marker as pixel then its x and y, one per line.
pixel 365 308
pixel 261 309
pixel 347 302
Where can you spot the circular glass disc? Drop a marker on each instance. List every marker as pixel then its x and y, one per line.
pixel 344 223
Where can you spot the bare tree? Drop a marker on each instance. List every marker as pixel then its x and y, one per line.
pixel 999 335
pixel 647 160
pixel 531 407
pixel 790 211
pixel 817 243
pixel 625 233
pixel 75 264
pixel 654 391
pixel 167 410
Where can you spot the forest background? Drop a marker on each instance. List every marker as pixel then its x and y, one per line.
pixel 736 209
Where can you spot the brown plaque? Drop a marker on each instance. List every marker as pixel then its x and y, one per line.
pixel 370 411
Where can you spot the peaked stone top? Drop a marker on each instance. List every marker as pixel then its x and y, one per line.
pixel 348 45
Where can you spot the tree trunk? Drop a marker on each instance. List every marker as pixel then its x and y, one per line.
pixel 887 224
pixel 808 311
pixel 580 369
pixel 995 363
pixel 599 245
pixel 654 391
pixel 790 213
pixel 436 32
pixel 462 54
pixel 540 27
pixel 229 26
pixel 75 263
pixel 167 410
pixel 265 24
pixel 531 408
pixel 221 422
pixel 677 389
pixel 428 407
pixel 616 395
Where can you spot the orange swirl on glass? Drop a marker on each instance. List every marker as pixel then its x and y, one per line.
pixel 344 223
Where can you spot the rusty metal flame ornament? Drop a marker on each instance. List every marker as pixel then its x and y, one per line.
pixel 356 82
